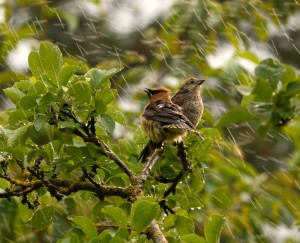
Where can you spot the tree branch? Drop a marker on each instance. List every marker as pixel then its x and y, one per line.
pixel 150 163
pixel 66 187
pixel 154 232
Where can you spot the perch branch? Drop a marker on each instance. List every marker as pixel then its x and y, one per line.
pixel 154 232
pixel 150 163
pixel 66 187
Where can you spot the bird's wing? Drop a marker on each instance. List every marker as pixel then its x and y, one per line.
pixel 167 114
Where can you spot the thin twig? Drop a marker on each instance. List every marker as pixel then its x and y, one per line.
pixel 185 168
pixel 108 152
pixel 151 162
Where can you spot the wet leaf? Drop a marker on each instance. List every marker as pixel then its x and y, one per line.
pixel 81 91
pixel 35 64
pixel 18 136
pixel 86 225
pixel 25 212
pixel 292 89
pixel 116 114
pixel 43 135
pixel 107 123
pixel 143 211
pixel 262 90
pixel 99 76
pixel 271 70
pixel 244 90
pixel 289 74
pixel 184 225
pixel 191 238
pixel 236 115
pixel 29 101
pixel 14 94
pixel 213 228
pixel 66 73
pixel 116 214
pixel 51 59
pixel 42 218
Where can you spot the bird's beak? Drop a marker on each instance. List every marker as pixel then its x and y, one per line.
pixel 148 91
pixel 200 81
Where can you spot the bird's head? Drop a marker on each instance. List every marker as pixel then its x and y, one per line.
pixel 158 93
pixel 192 83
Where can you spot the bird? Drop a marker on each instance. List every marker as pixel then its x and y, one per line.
pixel 162 120
pixel 189 100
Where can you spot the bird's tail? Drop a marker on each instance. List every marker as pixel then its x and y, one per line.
pixel 148 150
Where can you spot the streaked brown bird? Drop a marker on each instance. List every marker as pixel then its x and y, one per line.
pixel 189 100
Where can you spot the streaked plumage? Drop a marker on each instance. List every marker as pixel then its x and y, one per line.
pixel 162 120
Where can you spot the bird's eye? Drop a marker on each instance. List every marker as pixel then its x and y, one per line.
pixel 192 82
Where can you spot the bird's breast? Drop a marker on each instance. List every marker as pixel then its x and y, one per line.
pixel 152 129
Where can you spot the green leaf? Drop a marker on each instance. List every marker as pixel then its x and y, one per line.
pixel 292 89
pixel 122 233
pixel 98 76
pixel 107 123
pixel 184 225
pixel 29 101
pixel 48 99
pixel 81 91
pixel 35 65
pixel 271 70
pixel 196 182
pixel 143 211
pixel 181 200
pixel 42 218
pixel 289 74
pixel 14 94
pixel 4 184
pixel 262 90
pixel 24 85
pixel 115 114
pixel 100 107
pixel 106 95
pixel 116 214
pixel 43 135
pixel 19 116
pixel 25 212
pixel 86 225
pixel 209 132
pixel 191 238
pixel 68 124
pixel 18 136
pixel 66 73
pixel 39 122
pixel 74 152
pixel 249 55
pixel 51 59
pixel 244 90
pixel 236 115
pixel 213 228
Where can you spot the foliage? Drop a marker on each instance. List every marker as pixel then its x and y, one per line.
pixel 60 142
pixel 55 143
